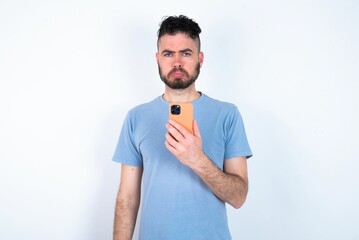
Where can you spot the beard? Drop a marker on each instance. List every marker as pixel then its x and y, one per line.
pixel 179 83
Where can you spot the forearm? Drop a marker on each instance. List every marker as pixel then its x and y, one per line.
pixel 125 219
pixel 228 187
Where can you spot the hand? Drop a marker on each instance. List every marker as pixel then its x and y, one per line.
pixel 186 147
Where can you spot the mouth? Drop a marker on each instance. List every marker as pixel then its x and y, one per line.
pixel 177 74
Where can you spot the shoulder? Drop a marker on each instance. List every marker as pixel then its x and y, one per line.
pixel 146 108
pixel 218 105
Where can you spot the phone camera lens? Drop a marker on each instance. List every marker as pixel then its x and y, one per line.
pixel 175 109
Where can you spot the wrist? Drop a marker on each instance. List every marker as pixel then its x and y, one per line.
pixel 202 162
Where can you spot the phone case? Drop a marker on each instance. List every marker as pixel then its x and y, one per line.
pixel 185 117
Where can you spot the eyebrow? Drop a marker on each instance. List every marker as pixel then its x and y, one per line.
pixel 167 51
pixel 186 50
pixel 181 51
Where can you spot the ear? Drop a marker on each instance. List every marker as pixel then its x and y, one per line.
pixel 201 57
pixel 157 56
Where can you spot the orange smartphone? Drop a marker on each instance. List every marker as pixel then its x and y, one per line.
pixel 183 114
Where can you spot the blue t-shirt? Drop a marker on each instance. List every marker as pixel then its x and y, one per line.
pixel 176 203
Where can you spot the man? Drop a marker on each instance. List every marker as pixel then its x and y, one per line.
pixel 187 177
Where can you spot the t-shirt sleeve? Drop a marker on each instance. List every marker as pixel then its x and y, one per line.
pixel 236 138
pixel 127 151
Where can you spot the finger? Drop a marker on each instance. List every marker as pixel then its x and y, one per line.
pixel 176 145
pixel 175 132
pixel 182 130
pixel 170 147
pixel 171 140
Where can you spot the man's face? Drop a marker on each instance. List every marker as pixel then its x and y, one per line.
pixel 179 60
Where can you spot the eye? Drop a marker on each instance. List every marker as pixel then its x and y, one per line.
pixel 167 54
pixel 186 54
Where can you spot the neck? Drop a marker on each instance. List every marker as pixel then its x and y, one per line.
pixel 181 95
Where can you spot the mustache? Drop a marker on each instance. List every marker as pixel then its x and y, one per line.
pixel 184 72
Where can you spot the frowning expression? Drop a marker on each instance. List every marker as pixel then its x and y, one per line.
pixel 179 60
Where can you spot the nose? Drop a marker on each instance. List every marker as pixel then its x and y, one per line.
pixel 177 65
pixel 177 62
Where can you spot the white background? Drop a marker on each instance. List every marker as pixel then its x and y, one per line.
pixel 70 71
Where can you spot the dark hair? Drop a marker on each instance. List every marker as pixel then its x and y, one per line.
pixel 179 24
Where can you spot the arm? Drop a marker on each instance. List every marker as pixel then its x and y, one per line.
pixel 127 203
pixel 230 185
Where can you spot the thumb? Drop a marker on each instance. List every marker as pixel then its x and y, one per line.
pixel 196 129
